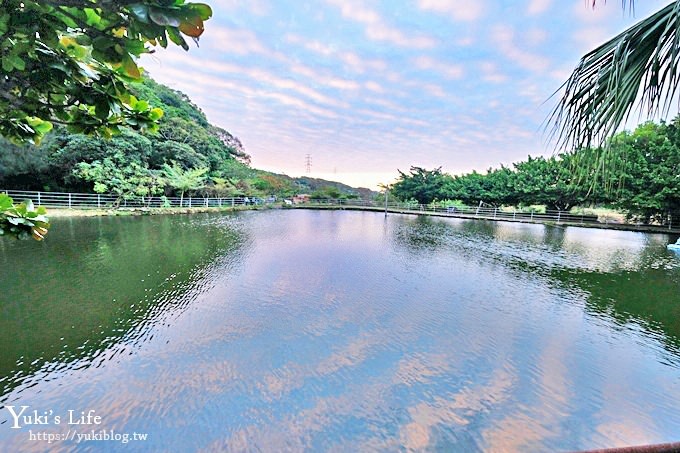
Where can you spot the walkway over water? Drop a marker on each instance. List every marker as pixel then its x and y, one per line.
pixel 495 214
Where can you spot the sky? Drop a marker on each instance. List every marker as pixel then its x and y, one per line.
pixel 370 87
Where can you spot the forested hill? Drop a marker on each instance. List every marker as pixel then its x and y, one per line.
pixel 187 154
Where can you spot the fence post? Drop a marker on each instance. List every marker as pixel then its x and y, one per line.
pixel 494 212
pixel 232 202
pixel 99 202
pixel 385 201
pixel 38 198
pixel 558 216
pixel 532 214
pixel 69 200
pixel 514 211
pixel 206 202
pixel 189 201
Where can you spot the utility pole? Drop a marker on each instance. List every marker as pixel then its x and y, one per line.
pixel 308 163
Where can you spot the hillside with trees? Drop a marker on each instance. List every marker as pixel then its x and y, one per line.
pixel 185 156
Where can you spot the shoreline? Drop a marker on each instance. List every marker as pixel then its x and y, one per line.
pixel 600 226
pixel 56 212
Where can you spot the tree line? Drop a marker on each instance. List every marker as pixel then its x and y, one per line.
pixel 643 178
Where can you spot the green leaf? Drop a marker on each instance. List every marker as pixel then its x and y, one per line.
pixel 130 67
pixel 7 64
pixel 141 106
pixel 6 202
pixel 175 37
pixel 204 11
pixel 84 40
pixel 4 23
pixel 135 47
pixel 92 18
pixel 164 17
pixel 17 62
pixel 101 109
pixel 140 12
pixel 102 43
pixel 156 114
pixel 163 40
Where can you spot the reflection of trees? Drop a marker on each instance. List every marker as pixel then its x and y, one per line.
pixel 428 234
pixel 422 234
pixel 624 285
pixel 554 235
pixel 97 279
pixel 647 297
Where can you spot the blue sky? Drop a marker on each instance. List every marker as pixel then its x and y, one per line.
pixel 367 87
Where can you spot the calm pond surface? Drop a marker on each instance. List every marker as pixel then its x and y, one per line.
pixel 344 331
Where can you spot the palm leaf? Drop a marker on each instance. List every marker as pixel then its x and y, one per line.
pixel 641 63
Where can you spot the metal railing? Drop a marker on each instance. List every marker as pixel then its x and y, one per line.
pixel 504 213
pixel 463 211
pixel 110 201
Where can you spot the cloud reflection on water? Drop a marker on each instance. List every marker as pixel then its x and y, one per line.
pixel 346 331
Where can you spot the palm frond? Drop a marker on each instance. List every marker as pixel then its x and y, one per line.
pixel 641 63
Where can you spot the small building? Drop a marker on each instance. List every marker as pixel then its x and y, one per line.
pixel 301 198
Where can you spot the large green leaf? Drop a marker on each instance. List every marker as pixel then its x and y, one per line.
pixel 164 17
pixel 5 202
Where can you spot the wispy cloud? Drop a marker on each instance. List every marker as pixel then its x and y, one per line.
pixel 538 6
pixel 257 7
pixel 377 29
pixel 236 41
pixel 590 37
pixel 350 59
pixel 535 36
pixel 504 37
pixel 491 73
pixel 450 71
pixel 325 79
pixel 459 10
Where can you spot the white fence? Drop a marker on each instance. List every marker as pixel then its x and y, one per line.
pixel 467 211
pixel 104 201
pixel 107 201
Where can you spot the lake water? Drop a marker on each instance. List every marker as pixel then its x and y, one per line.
pixel 342 331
